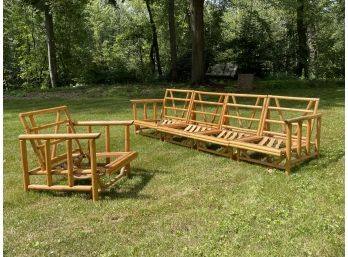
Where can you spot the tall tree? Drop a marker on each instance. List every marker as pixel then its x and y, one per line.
pixel 44 6
pixel 197 29
pixel 51 46
pixel 154 52
pixel 172 40
pixel 303 52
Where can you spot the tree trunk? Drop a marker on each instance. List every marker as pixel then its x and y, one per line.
pixel 197 26
pixel 51 47
pixel 154 47
pixel 303 53
pixel 172 40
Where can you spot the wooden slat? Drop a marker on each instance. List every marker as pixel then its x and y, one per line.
pixel 271 142
pixel 60 136
pixel 242 117
pixel 288 109
pixel 227 134
pixel 60 188
pixel 52 142
pixel 42 111
pixel 178 99
pixel 208 102
pixel 192 128
pixel 197 129
pixel 207 113
pixel 263 141
pixel 294 98
pixel 244 106
pixel 188 127
pixel 142 101
pixel 221 134
pixel 278 144
pixel 174 117
pixel 234 135
pixel 50 125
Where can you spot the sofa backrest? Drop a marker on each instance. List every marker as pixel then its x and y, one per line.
pixel 176 104
pixel 280 108
pixel 243 112
pixel 207 108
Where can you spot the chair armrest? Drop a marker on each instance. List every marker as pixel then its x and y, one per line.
pixel 302 118
pixel 145 101
pixel 60 136
pixel 103 123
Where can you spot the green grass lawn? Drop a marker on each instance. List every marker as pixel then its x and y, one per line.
pixel 180 202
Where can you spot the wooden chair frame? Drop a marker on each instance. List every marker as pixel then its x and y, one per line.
pixel 74 162
pixel 253 139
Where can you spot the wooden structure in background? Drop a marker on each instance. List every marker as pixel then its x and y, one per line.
pixel 276 131
pixel 62 152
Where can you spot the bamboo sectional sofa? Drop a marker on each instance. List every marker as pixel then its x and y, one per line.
pixel 276 131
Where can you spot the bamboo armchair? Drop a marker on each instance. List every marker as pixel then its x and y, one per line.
pixel 249 127
pixel 71 155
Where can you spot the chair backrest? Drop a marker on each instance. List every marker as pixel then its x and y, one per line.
pixel 279 108
pixel 243 112
pixel 207 108
pixel 176 104
pixel 49 121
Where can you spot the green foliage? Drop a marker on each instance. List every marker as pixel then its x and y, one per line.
pixel 253 44
pixel 101 41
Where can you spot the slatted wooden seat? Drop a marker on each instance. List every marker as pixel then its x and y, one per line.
pixel 296 145
pixel 62 152
pixel 255 128
pixel 204 118
pixel 171 111
pixel 241 118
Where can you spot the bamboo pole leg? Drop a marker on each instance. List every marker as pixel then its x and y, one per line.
pixel 48 162
pixel 107 142
pixel 308 137
pixel 135 117
pixel 237 155
pixel 127 148
pixel 95 195
pixel 26 180
pixel 317 141
pixel 288 149
pixel 70 163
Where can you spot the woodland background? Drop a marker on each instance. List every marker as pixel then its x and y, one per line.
pixel 100 41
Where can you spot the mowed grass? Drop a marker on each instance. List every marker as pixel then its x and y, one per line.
pixel 180 202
